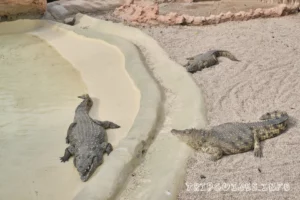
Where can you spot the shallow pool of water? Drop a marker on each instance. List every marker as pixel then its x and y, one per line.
pixel 38 90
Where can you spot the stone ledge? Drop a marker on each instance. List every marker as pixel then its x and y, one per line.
pixel 121 162
pixel 189 111
pixel 59 10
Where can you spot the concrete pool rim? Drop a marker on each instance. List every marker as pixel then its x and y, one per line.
pixel 117 165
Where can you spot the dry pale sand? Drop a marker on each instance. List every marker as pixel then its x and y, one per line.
pixel 266 79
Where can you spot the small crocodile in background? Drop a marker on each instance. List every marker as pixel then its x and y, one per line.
pixel 232 138
pixel 205 60
pixel 88 140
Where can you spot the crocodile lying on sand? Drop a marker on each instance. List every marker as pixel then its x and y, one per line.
pixel 205 60
pixel 232 138
pixel 88 140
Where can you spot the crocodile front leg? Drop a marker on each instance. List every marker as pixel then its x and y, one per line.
pixel 107 147
pixel 215 152
pixel 70 150
pixel 257 148
pixel 208 63
pixel 70 131
pixel 106 124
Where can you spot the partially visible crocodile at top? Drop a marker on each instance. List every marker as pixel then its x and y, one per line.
pixel 232 138
pixel 88 140
pixel 205 60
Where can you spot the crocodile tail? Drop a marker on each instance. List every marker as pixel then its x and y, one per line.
pixel 275 124
pixel 226 54
pixel 176 131
pixel 277 114
pixel 84 96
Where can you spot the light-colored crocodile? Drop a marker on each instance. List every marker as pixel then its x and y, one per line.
pixel 232 138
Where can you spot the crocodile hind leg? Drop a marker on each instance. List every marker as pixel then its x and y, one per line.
pixel 216 61
pixel 107 124
pixel 70 131
pixel 215 152
pixel 107 147
pixel 68 153
pixel 213 60
pixel 257 147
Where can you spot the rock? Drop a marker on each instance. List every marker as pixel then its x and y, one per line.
pixel 16 9
pixel 188 19
pixel 172 18
pixel 58 12
pixel 185 1
pixel 142 12
pixel 48 16
pixel 198 20
pixel 179 20
pixel 280 9
pixel 229 15
pixel 128 2
pixel 70 21
pixel 240 15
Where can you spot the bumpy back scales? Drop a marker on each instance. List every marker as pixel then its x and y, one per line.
pixel 275 123
pixel 227 54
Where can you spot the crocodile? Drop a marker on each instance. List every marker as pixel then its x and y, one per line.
pixel 207 59
pixel 87 139
pixel 234 137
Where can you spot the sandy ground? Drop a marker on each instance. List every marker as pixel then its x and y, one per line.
pixel 206 8
pixel 266 79
pixel 38 96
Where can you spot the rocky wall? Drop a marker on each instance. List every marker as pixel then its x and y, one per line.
pixel 148 13
pixel 14 9
pixel 281 1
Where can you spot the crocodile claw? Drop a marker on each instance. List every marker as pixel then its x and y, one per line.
pixel 62 159
pixel 114 126
pixel 84 96
pixel 257 153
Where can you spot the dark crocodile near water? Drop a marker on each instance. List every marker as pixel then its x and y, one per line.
pixel 88 140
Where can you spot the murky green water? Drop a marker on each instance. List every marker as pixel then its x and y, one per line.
pixel 38 91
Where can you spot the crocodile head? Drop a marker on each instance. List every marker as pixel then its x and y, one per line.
pixel 192 137
pixel 183 135
pixel 87 160
pixel 86 104
pixel 193 66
